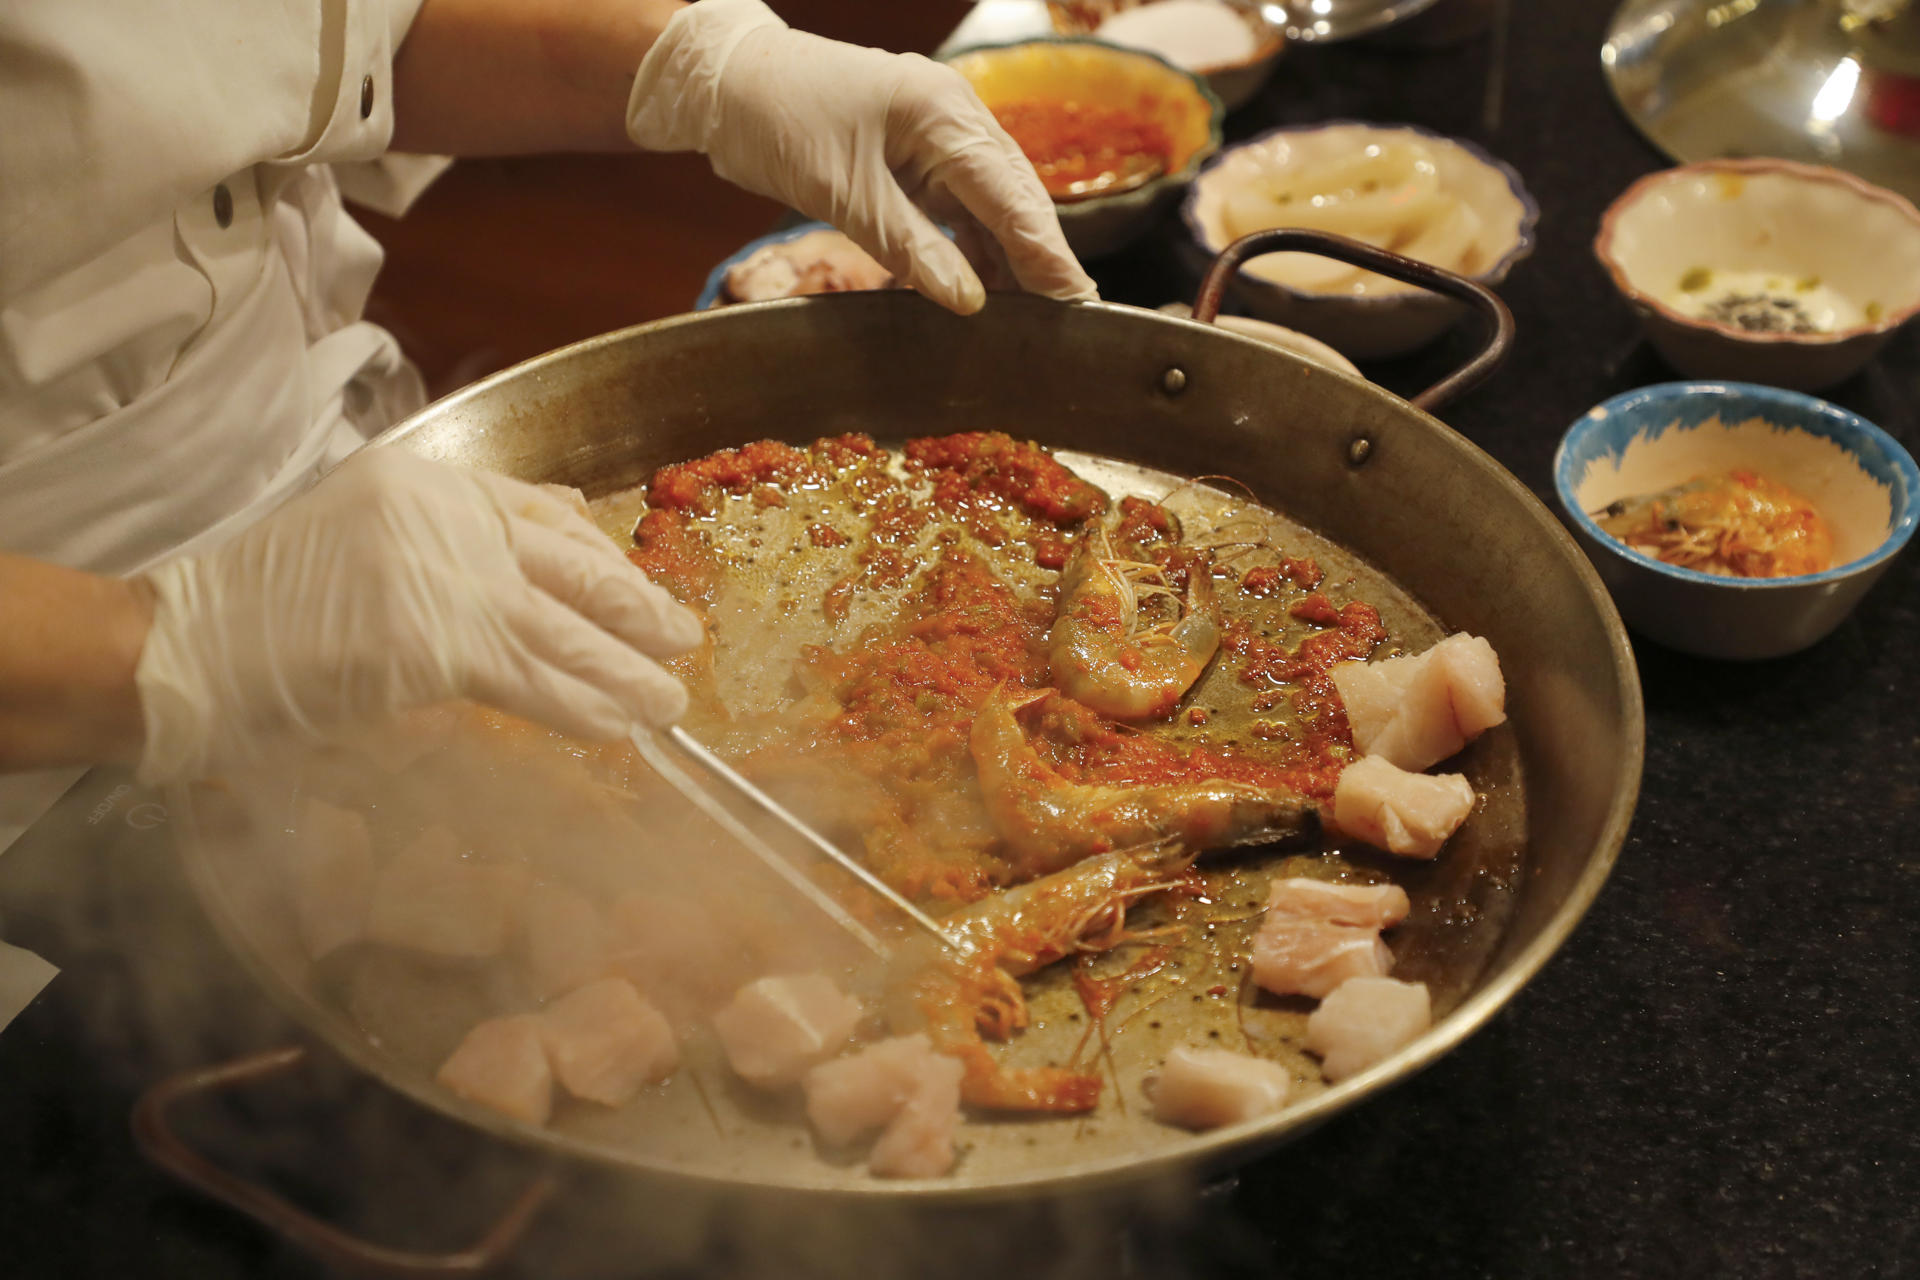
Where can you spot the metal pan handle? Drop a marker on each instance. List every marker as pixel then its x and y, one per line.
pixel 1395 267
pixel 154 1133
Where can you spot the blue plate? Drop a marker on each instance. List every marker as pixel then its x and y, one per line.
pixel 1606 431
pixel 717 278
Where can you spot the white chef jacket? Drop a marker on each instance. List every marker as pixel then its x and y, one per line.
pixel 181 347
pixel 180 287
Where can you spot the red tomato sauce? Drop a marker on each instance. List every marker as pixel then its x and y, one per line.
pixel 966 633
pixel 825 535
pixel 1086 747
pixel 1077 142
pixel 1261 580
pixel 1142 523
pixel 698 484
pixel 1302 571
pixel 884 744
pixel 1300 674
pixel 674 554
pixel 993 463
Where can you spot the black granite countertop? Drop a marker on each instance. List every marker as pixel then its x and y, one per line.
pixel 1712 1078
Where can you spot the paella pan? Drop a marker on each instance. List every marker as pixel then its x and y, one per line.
pixel 1395 510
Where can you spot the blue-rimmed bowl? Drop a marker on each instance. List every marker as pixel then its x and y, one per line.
pixel 716 284
pixel 1371 317
pixel 1856 475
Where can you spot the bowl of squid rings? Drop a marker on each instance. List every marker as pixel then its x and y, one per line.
pixel 1397 187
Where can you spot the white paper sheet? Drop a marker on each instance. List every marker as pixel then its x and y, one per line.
pixel 22 977
pixel 24 798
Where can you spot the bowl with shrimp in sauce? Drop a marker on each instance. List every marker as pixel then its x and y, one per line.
pixel 1731 520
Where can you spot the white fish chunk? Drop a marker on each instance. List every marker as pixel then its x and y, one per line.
pixel 1423 730
pixel 1416 711
pixel 1317 934
pixel 568 942
pixel 1366 1020
pixel 1370 695
pixel 1298 957
pixel 900 1086
pixel 774 1029
pixel 329 877
pixel 502 1064
pixel 1411 814
pixel 606 1042
pixel 1206 1088
pixel 852 1096
pixel 1475 686
pixel 918 1143
pixel 1371 906
pixel 431 897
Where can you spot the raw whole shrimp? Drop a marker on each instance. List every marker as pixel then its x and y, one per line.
pixel 1048 822
pixel 1012 934
pixel 1098 653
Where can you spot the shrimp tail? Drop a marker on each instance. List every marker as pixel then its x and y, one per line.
pixel 992 1087
pixel 1097 652
pixel 1198 632
pixel 963 1001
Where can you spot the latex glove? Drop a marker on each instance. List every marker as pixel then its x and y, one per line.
pixel 398 582
pixel 871 142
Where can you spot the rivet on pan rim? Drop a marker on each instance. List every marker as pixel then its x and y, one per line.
pixel 1359 449
pixel 1174 380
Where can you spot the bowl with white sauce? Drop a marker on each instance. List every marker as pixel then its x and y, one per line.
pixel 1764 270
pixel 1397 187
pixel 1231 44
pixel 1734 520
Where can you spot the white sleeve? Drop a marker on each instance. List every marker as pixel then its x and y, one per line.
pixel 117 114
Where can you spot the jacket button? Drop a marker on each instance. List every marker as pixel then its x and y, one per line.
pixel 366 98
pixel 223 206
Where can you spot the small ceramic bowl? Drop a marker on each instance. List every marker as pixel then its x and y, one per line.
pixel 1103 75
pixel 1723 260
pixel 1233 82
pixel 1367 316
pixel 1856 476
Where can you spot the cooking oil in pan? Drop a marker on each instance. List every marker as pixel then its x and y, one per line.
pixel 544 811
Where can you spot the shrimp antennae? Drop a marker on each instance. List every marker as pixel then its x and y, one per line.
pixel 1231 481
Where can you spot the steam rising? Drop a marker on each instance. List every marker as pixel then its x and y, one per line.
pixel 687 1193
pixel 460 866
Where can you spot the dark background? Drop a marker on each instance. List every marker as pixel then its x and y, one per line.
pixel 1713 1078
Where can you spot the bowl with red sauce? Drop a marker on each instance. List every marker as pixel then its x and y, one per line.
pixel 1733 520
pixel 1115 134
